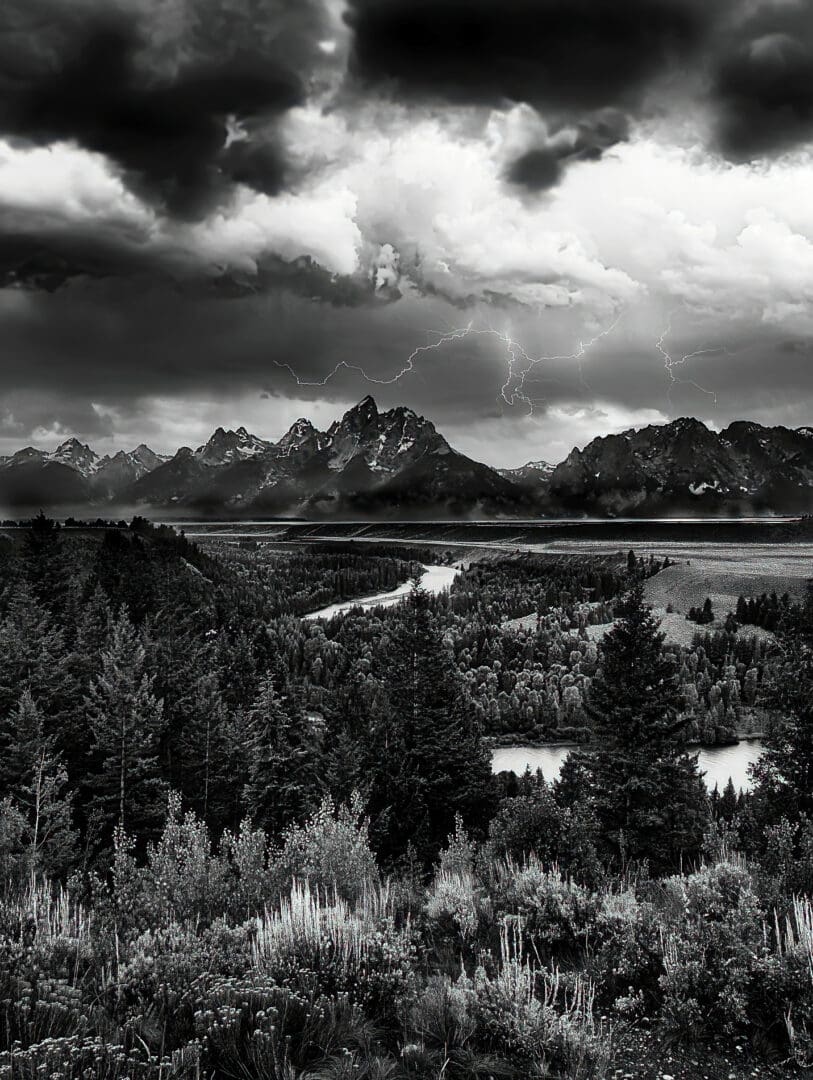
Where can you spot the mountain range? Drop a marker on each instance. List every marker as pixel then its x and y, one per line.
pixel 395 463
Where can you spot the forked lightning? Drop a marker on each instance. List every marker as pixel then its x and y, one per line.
pixel 520 364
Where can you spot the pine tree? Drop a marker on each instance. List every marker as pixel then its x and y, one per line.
pixel 714 802
pixel 783 776
pixel 33 656
pixel 207 760
pixel 282 784
pixel 728 802
pixel 348 736
pixel 642 781
pixel 91 632
pixel 430 762
pixel 126 721
pixel 45 566
pixel 35 778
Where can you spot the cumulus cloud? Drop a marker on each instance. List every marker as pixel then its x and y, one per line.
pixel 200 197
pixel 542 164
pixel 586 66
pixel 151 88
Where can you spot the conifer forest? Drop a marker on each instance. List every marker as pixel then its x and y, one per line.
pixel 238 842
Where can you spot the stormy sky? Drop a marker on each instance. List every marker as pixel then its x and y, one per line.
pixel 534 221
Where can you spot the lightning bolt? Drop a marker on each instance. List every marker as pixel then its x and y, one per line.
pixel 519 364
pixel 670 363
pixel 442 336
pixel 516 352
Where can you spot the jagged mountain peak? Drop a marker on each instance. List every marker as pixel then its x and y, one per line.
pixel 301 436
pixel 72 444
pixel 146 457
pixel 226 447
pixel 28 453
pixel 385 440
pixel 687 466
pixel 361 415
pixel 532 472
pixel 77 455
pixel 123 468
pixel 370 461
pixel 301 426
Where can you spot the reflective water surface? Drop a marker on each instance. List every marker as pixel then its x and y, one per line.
pixel 717 762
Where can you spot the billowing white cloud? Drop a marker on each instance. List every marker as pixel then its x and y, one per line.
pixel 411 204
pixel 319 223
pixel 435 189
pixel 65 183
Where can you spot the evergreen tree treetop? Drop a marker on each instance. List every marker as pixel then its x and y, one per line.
pixel 641 781
pixel 634 695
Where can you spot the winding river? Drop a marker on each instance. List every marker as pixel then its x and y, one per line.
pixel 435 579
pixel 717 762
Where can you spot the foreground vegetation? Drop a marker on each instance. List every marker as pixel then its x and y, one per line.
pixel 202 877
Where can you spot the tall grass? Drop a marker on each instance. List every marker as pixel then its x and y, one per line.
pixel 797 934
pixel 795 939
pixel 46 911
pixel 535 1014
pixel 320 925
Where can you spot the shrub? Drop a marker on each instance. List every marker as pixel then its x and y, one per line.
pixel 250 880
pixel 445 1034
pixel 455 906
pixel 712 942
pixel 536 824
pixel 624 957
pixel 259 1029
pixel 183 880
pixel 781 992
pixel 47 954
pixel 458 855
pixel 330 851
pixel 80 1058
pixel 164 967
pixel 786 862
pixel 49 914
pixel 47 1009
pixel 325 947
pixel 525 1015
pixel 456 909
pixel 555 913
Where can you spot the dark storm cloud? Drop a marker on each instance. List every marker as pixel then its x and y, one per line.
pixel 541 167
pixel 568 54
pixel 586 63
pixel 752 65
pixel 94 76
pixel 49 261
pixel 302 277
pixel 37 262
pixel 123 343
pixel 763 84
pixel 538 169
